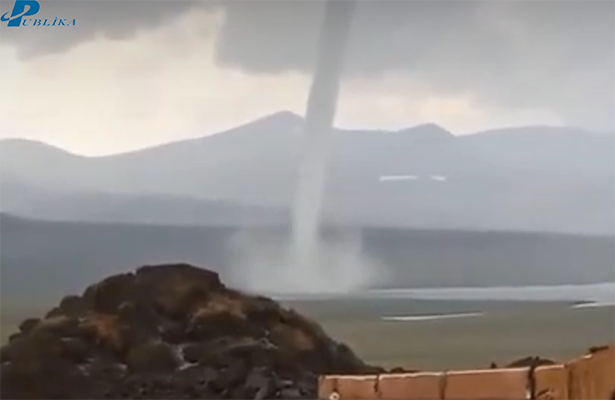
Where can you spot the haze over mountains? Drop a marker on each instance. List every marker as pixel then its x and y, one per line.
pixel 425 205
pixel 551 179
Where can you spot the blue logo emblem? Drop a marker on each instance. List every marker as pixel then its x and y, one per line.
pixel 22 8
pixel 28 8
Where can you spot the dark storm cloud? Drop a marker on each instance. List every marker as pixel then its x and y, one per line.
pixel 556 55
pixel 115 19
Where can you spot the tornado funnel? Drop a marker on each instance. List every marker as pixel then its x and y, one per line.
pixel 319 116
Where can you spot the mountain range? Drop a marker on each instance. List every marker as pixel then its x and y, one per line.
pixel 535 178
pixel 513 206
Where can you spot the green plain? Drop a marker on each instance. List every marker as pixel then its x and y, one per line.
pixel 507 331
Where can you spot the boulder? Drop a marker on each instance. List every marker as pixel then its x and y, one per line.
pixel 171 331
pixel 28 324
pixel 152 358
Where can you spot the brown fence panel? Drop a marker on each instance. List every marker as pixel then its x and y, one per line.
pixel 348 387
pixel 423 386
pixel 491 384
pixel 499 384
pixel 551 382
pixel 593 376
pixel 415 386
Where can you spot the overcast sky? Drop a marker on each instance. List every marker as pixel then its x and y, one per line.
pixel 136 73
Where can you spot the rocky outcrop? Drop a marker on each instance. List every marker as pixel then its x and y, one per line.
pixel 170 331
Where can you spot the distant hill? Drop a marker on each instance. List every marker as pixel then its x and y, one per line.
pixel 39 259
pixel 539 178
pixel 43 259
pixel 90 206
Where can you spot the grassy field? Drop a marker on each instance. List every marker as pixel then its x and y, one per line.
pixel 507 330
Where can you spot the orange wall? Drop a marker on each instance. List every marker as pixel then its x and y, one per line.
pixel 588 377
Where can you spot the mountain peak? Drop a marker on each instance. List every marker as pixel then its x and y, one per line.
pixel 428 132
pixel 280 120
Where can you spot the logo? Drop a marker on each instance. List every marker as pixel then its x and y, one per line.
pixel 28 8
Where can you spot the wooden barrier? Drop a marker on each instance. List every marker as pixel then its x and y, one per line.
pixel 551 383
pixel 589 377
pixel 593 376
pixel 415 386
pixel 488 384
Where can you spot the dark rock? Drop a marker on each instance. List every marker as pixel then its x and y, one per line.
pixel 76 350
pixel 54 312
pixel 597 349
pixel 72 306
pixel 173 332
pixel 206 325
pixel 14 336
pixel 155 358
pixel 61 326
pixel 42 378
pixel 399 370
pixel 28 324
pixel 185 273
pixel 291 393
pixel 106 296
pixel 29 348
pixel 106 369
pixel 121 339
pixel 194 352
pixel 530 362
pixel 4 355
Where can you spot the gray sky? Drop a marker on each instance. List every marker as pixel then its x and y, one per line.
pixel 137 73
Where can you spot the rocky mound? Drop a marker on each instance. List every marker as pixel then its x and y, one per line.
pixel 170 331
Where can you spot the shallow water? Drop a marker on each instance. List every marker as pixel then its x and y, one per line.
pixel 592 305
pixel 601 293
pixel 417 318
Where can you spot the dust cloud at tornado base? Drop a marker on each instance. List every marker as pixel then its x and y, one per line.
pixel 263 263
